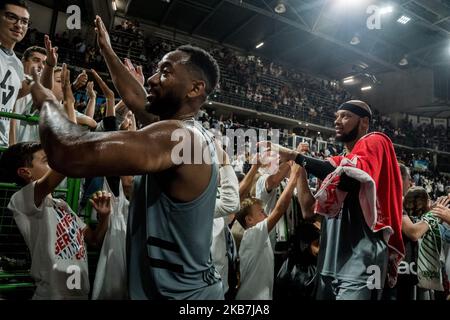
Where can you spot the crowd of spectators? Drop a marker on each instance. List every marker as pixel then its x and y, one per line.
pixel 428 177
pixel 248 78
pixel 247 81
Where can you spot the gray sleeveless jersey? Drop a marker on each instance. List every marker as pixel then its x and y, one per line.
pixel 169 242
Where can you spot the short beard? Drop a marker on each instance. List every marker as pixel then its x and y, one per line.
pixel 351 136
pixel 164 108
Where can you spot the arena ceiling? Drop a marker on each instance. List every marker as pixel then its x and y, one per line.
pixel 314 35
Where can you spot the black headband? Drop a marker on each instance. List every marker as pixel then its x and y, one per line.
pixel 355 109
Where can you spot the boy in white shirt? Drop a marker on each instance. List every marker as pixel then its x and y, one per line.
pixel 255 251
pixel 53 233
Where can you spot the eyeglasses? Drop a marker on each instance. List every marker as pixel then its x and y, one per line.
pixel 11 17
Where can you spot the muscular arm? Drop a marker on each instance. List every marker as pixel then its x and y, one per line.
pixel 317 167
pixel 78 153
pixel 129 88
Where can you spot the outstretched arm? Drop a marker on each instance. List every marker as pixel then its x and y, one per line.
pixel 414 231
pixel 50 63
pixel 316 167
pixel 246 183
pixel 90 109
pixel 107 92
pixel 284 200
pixel 129 88
pixel 69 99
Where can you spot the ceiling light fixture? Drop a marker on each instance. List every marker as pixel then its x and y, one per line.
pixel 403 61
pixel 355 40
pixel 280 8
pixel 348 80
pixel 403 19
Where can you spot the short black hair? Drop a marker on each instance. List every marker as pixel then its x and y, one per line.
pixel 205 63
pixel 27 54
pixel 17 156
pixel 19 3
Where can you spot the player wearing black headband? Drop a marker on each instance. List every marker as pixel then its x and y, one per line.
pixel 360 199
pixel 352 122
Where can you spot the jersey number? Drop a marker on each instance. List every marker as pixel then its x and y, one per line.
pixel 7 93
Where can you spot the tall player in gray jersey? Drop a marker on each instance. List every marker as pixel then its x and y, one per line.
pixel 170 223
pixel 14 20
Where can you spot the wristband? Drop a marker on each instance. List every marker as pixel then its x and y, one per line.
pixel 300 160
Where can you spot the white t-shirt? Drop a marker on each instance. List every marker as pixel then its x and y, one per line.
pixel 219 251
pixel 256 264
pixel 226 204
pixel 11 76
pixel 26 131
pixel 269 200
pixel 54 236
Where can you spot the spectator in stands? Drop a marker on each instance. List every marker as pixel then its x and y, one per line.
pixel 430 270
pixel 32 57
pixel 255 251
pixel 14 22
pixel 412 232
pixel 54 234
pixel 268 189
